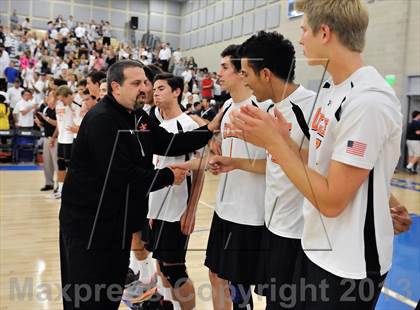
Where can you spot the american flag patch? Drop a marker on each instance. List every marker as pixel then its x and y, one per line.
pixel 356 148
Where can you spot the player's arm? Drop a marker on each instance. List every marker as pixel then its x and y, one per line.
pixel 223 164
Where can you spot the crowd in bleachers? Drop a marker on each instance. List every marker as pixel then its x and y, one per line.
pixel 75 55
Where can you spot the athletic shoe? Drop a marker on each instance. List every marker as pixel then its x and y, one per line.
pixel 47 188
pixel 56 195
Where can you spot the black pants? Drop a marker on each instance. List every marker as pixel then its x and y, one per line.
pixel 318 289
pixel 91 279
pixel 106 41
pixel 165 65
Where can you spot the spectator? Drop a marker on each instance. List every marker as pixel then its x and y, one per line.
pixel 413 142
pixel 14 94
pixel 4 62
pixel 207 87
pixel 11 74
pixel 26 25
pixel 14 21
pixel 4 115
pixel 164 56
pixel 24 111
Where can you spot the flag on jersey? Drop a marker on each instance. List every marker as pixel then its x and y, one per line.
pixel 356 148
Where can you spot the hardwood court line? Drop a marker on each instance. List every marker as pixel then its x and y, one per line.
pixel 206 204
pixel 399 297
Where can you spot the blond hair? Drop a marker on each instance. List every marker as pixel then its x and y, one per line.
pixel 348 19
pixel 64 91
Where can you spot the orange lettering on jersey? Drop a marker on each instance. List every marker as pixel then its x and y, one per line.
pixel 319 124
pixel 316 120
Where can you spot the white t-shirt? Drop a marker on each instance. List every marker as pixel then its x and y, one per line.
pixel 240 196
pixel 26 120
pixel 367 136
pixel 15 95
pixel 77 117
pixel 64 119
pixel 169 203
pixel 39 85
pixel 283 202
pixel 165 53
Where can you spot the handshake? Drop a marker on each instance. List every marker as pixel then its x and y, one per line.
pixel 179 172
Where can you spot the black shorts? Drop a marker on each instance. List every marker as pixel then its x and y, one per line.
pixel 277 265
pixel 166 241
pixel 64 151
pixel 233 251
pixel 318 289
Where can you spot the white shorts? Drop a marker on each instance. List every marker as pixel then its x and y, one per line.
pixel 413 147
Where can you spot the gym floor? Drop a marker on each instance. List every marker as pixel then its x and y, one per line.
pixel 29 254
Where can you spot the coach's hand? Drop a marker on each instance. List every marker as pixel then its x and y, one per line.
pixel 179 175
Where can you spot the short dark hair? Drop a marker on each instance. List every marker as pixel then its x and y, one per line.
pixel 87 92
pixel 270 50
pixel 96 76
pixel 59 82
pixel 414 114
pixel 82 83
pixel 26 90
pixel 116 71
pixel 174 82
pixel 232 52
pixel 151 71
pixel 2 99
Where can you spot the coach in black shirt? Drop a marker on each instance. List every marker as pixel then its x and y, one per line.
pixel 45 117
pixel 105 194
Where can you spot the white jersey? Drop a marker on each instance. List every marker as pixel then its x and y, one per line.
pixel 76 108
pixel 240 196
pixel 64 119
pixel 283 201
pixel 357 123
pixel 169 203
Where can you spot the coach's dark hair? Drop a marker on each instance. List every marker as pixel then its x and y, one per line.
pixel 96 76
pixel 174 82
pixel 116 72
pixel 270 50
pixel 151 71
pixel 232 52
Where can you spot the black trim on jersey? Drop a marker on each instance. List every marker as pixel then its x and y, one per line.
pixel 326 85
pixel 351 84
pixel 373 268
pixel 79 105
pixel 227 108
pixel 254 104
pixel 300 117
pixel 337 113
pixel 187 158
pixel 270 107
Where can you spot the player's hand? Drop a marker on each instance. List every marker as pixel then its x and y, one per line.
pixel 187 222
pixel 179 175
pixel 73 129
pixel 220 164
pixel 52 142
pixel 258 127
pixel 401 220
